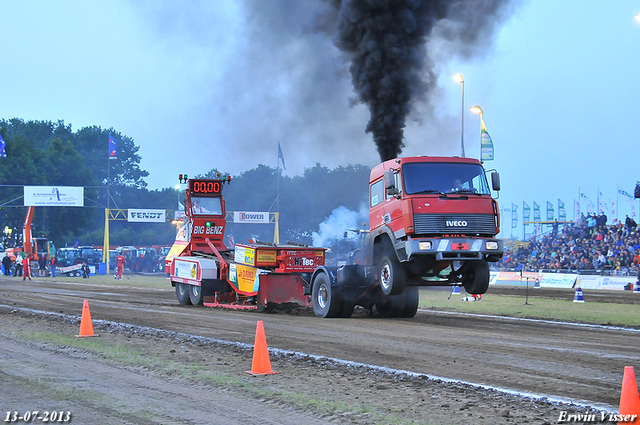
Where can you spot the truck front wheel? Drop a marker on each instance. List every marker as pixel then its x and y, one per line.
pixel 182 294
pixel 476 276
pixel 411 301
pixel 391 305
pixel 326 300
pixel 391 275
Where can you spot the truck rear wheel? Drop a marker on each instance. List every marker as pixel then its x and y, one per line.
pixel 326 300
pixel 195 294
pixel 182 294
pixel 391 275
pixel 391 305
pixel 411 301
pixel 476 276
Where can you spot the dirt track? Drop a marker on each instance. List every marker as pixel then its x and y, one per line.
pixel 566 362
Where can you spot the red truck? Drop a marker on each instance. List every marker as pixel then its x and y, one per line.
pixel 433 222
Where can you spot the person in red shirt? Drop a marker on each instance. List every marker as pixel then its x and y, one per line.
pixel 121 260
pixel 26 267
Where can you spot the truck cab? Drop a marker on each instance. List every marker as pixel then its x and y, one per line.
pixel 428 214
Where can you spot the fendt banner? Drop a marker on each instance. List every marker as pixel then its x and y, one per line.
pixel 146 216
pixel 53 196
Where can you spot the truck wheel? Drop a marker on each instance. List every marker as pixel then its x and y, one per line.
pixel 326 300
pixel 347 309
pixel 391 305
pixel 195 294
pixel 182 294
pixel 476 276
pixel 411 301
pixel 392 276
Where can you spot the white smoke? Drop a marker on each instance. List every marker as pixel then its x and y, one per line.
pixel 340 221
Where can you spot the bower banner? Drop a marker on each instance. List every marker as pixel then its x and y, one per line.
pixel 250 217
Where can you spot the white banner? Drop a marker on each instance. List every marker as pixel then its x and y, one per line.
pixel 605 282
pixel 558 280
pixel 250 217
pixel 147 216
pixel 53 196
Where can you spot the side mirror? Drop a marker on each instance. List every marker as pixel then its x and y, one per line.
pixel 495 181
pixel 390 183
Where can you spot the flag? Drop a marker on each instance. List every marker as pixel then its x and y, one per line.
pixel 514 215
pixel 526 211
pixel 550 211
pixel 536 211
pixel 3 154
pixel 113 147
pixel 486 143
pixel 281 156
pixel 562 212
pixel 590 204
pixel 624 193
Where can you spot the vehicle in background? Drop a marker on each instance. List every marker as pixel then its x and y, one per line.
pixel 145 260
pixel 77 255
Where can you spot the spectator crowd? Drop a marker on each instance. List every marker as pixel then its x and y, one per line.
pixel 589 245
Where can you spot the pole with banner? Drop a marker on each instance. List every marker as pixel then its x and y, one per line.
pixel 514 217
pixel 486 144
pixel 526 216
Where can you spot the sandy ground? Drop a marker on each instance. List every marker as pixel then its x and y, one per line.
pixel 189 364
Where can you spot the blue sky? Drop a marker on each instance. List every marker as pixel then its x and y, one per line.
pixel 204 85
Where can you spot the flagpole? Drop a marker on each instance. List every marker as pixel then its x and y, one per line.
pixel 617 202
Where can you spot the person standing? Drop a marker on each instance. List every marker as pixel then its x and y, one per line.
pixel 26 267
pixel 6 263
pixel 121 261
pixel 53 266
pixel 42 265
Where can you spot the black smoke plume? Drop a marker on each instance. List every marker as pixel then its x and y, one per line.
pixel 386 42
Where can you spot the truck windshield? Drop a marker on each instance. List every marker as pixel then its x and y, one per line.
pixel 206 206
pixel 438 177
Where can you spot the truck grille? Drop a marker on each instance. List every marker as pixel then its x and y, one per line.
pixel 427 224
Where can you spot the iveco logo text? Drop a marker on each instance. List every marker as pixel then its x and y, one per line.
pixel 456 223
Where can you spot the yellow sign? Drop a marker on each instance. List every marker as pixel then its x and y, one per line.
pixel 266 257
pixel 244 278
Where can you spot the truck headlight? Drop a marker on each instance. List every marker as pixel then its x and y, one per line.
pixel 424 246
pixel 492 245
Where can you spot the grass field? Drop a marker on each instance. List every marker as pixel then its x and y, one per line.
pixel 536 308
pixel 440 299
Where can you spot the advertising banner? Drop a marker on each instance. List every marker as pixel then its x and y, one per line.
pixel 250 217
pixel 186 269
pixel 605 282
pixel 53 196
pixel 558 280
pixel 146 216
pixel 244 279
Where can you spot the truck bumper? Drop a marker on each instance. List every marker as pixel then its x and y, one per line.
pixel 455 249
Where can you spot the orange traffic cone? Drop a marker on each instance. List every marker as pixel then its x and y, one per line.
pixel 86 327
pixel 629 399
pixel 261 364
